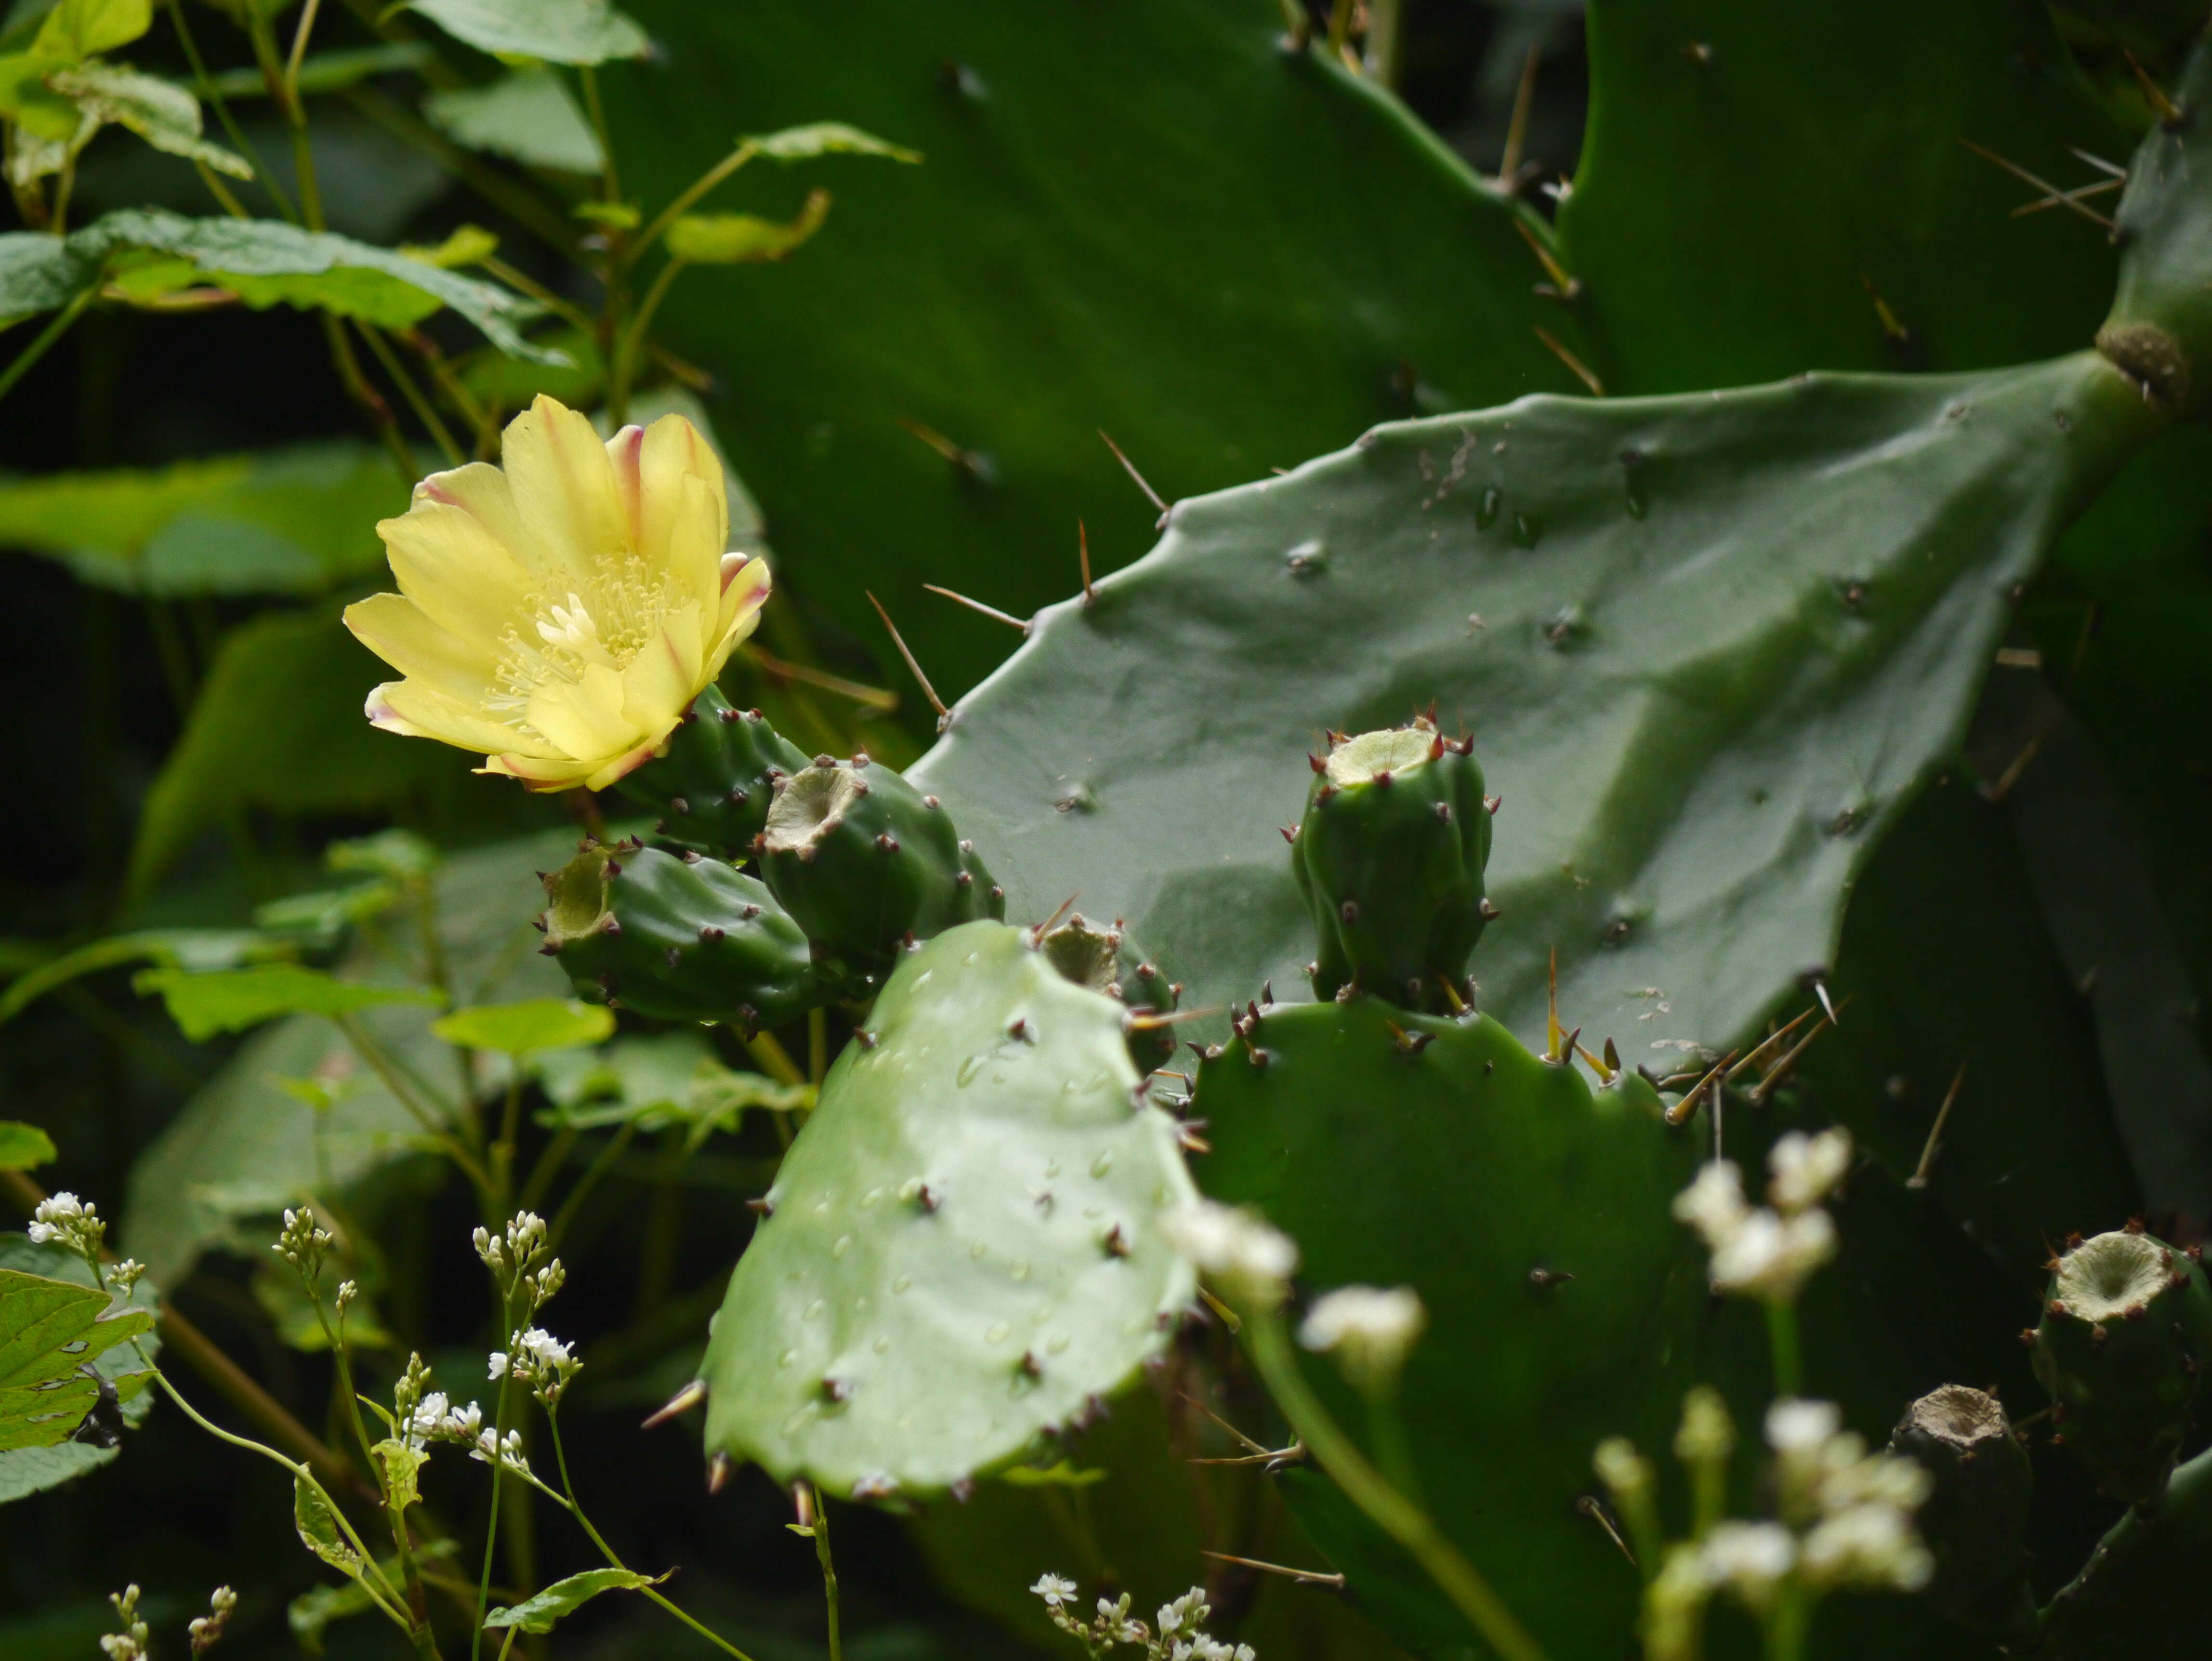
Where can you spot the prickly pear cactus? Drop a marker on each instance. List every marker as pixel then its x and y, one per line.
pixel 681 939
pixel 1976 1520
pixel 2122 1347
pixel 710 789
pixel 866 863
pixel 1105 960
pixel 1531 1213
pixel 962 1253
pixel 1390 855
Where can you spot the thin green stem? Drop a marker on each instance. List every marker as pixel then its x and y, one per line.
pixel 585 1183
pixel 516 201
pixel 1782 1340
pixel 498 1482
pixel 46 336
pixel 548 1166
pixel 698 187
pixel 566 310
pixel 1786 1623
pixel 1365 1488
pixel 223 196
pixel 828 1573
pixel 203 84
pixel 307 14
pixel 625 363
pixel 388 1071
pixel 609 177
pixel 425 411
pixel 370 402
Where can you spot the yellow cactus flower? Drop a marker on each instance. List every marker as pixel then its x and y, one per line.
pixel 559 613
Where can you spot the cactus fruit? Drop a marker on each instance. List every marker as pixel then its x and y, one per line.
pixel 868 864
pixel 1101 957
pixel 1975 1520
pixel 711 785
pixel 1530 1211
pixel 1390 857
pixel 680 939
pixel 2125 1334
pixel 961 1255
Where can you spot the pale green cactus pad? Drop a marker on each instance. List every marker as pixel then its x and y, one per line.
pixel 964 1249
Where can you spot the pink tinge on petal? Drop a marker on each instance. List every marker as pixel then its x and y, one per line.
pixel 622 450
pixel 539 775
pixel 732 564
pixel 625 763
pixel 430 488
pixel 382 714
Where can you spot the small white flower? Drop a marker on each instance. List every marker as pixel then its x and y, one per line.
pixel 1054 1590
pixel 1796 1426
pixel 504 1451
pixel 1867 1546
pixel 1369 1331
pixel 1185 1615
pixel 1115 1624
pixel 1625 1472
pixel 462 1424
pixel 429 1414
pixel 1881 1479
pixel 1771 1256
pixel 1235 1247
pixel 1714 1204
pixel 545 1350
pixel 65 1218
pixel 498 1364
pixel 1806 1169
pixel 1749 1559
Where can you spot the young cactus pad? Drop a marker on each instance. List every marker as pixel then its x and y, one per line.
pixel 2125 1336
pixel 679 939
pixel 866 863
pixel 1530 1212
pixel 1389 856
pixel 962 1253
pixel 711 786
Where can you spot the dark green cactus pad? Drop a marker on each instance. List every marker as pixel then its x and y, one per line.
pixel 2160 329
pixel 680 939
pixel 710 789
pixel 1532 1215
pixel 962 1255
pixel 1975 1522
pixel 1390 855
pixel 868 864
pixel 2144 1595
pixel 2122 1345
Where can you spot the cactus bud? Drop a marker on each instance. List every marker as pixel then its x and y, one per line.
pixel 864 863
pixel 710 787
pixel 1975 1520
pixel 2120 1349
pixel 1390 856
pixel 682 941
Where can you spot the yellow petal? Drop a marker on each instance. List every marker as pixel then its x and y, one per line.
pixel 461 577
pixel 564 492
pixel 397 630
pixel 584 718
pixel 662 679
pixel 684 504
pixel 601 777
pixel 409 707
pixel 482 491
pixel 562 774
pixel 740 610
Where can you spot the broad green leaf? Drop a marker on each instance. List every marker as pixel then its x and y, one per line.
pixel 31 1470
pixel 265 264
pixel 243 1148
pixel 824 138
pixel 165 115
pixel 24 1146
pixel 318 1530
pixel 287 521
pixel 528 116
pixel 1708 647
pixel 78 28
pixel 554 31
pixel 1155 222
pixel 671 1078
pixel 517 1028
pixel 232 1000
pixel 319 920
pixel 198 950
pixel 38 111
pixel 1754 174
pixel 324 71
pixel 565 1596
pixel 736 239
pixel 396 855
pixel 402 1467
pixel 48 1328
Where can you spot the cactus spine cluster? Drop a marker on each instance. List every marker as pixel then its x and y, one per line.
pixel 2125 1334
pixel 1390 856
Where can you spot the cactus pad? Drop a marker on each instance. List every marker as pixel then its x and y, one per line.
pixel 1390 855
pixel 710 788
pixel 2122 1347
pixel 1531 1213
pixel 962 1252
pixel 679 939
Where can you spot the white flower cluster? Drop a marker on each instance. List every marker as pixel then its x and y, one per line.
pixel 1236 1249
pixel 515 1252
pixel 1769 1251
pixel 423 1416
pixel 537 1359
pixel 129 1644
pixel 64 1220
pixel 1370 1331
pixel 206 1629
pixel 124 1276
pixel 302 1245
pixel 1179 1636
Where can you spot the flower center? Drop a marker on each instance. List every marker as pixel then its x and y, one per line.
pixel 606 623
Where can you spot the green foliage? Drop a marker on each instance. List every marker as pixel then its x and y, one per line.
pixel 556 30
pixel 519 1028
pixel 78 28
pixel 673 1077
pixel 198 951
pixel 1687 791
pixel 963 1247
pixel 742 239
pixel 297 521
pixel 203 1005
pixel 120 1343
pixel 1530 1213
pixel 262 261
pixel 51 1329
pixel 24 1146
pixel 165 115
pixel 526 115
pixel 1152 220
pixel 2160 328
pixel 539 1614
pixel 2142 1597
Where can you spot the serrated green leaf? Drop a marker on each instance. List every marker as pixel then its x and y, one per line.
pixel 199 950
pixel 165 115
pixel 565 1596
pixel 265 264
pixel 402 1467
pixel 1227 257
pixel 528 116
pixel 1708 647
pixel 554 31
pixel 824 138
pixel 518 1028
pixel 318 1530
pixel 671 1078
pixel 48 1329
pixel 736 239
pixel 77 29
pixel 24 1146
pixel 230 1002
pixel 25 1470
pixel 35 107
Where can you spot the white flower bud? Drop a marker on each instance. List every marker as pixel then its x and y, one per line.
pixel 1237 1249
pixel 1369 1331
pixel 1806 1169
